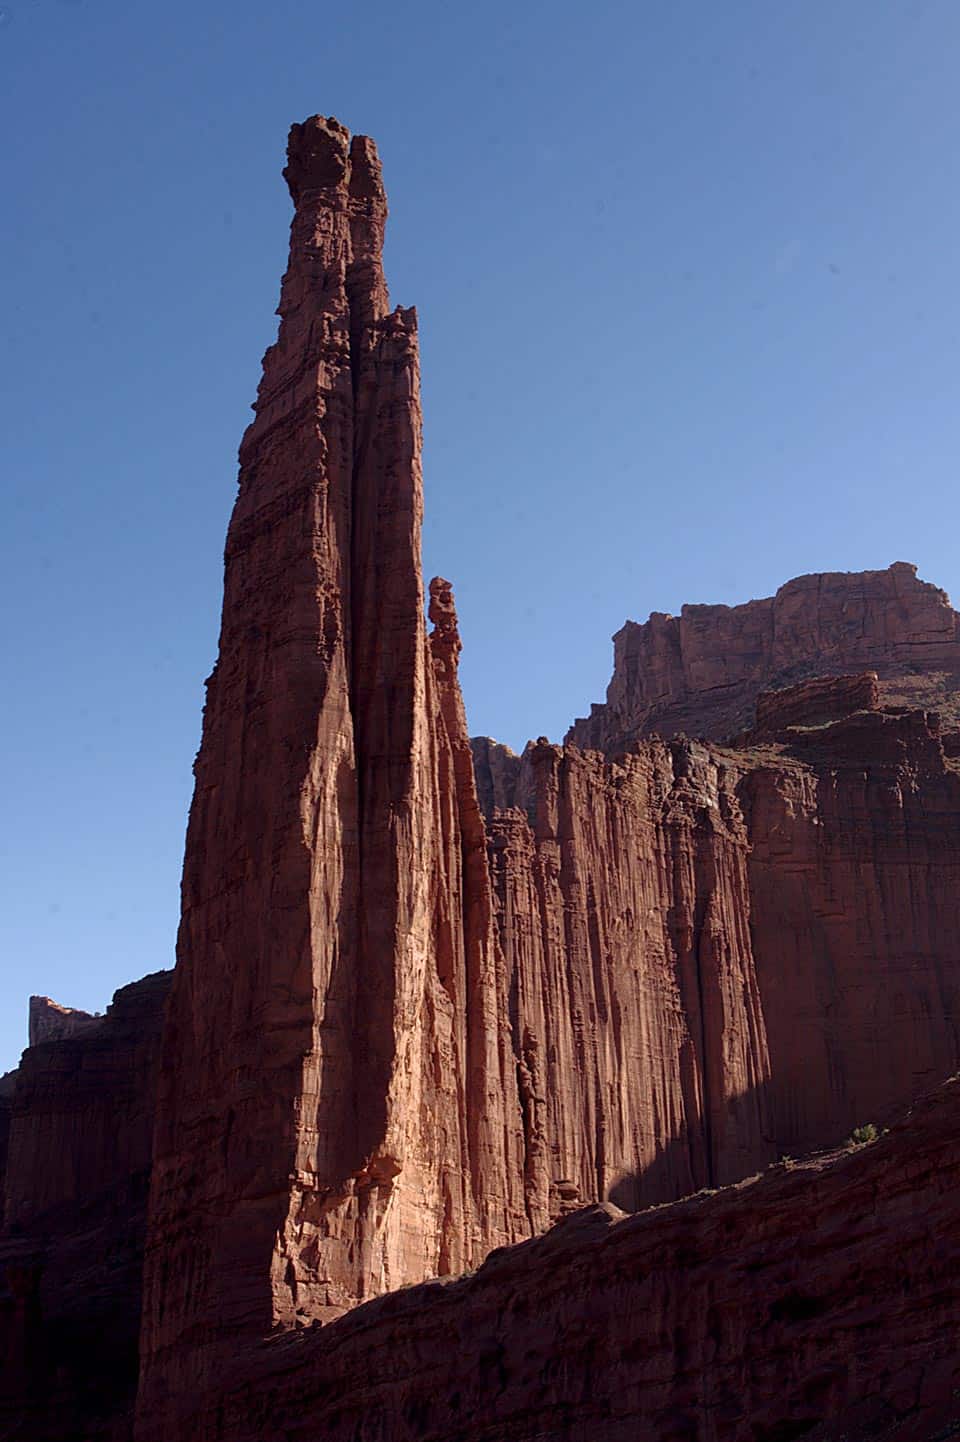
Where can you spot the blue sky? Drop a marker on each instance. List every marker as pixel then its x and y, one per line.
pixel 686 277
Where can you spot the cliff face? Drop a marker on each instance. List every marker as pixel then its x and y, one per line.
pixel 700 672
pixel 623 907
pixel 816 1301
pixel 71 1248
pixel 752 949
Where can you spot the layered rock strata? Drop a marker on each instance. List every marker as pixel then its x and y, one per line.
pixel 700 672
pixel 819 1300
pixel 813 703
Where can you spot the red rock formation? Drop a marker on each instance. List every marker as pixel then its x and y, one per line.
pixel 71 1249
pixel 431 996
pixel 732 949
pixel 497 771
pixel 81 1107
pixel 338 1113
pixel 623 908
pixel 49 1020
pixel 700 672
pixel 814 703
pixel 855 913
pixel 819 1300
pixel 387 1051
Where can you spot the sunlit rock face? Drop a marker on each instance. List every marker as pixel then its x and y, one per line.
pixel 338 1114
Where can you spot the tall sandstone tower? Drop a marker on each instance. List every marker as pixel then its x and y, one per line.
pixel 338 1115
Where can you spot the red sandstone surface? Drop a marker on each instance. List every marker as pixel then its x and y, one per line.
pixel 431 997
pixel 337 1112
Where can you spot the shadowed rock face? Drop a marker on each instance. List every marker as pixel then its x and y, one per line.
pixel 432 997
pixel 80 1115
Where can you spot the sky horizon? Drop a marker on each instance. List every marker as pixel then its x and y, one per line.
pixel 689 328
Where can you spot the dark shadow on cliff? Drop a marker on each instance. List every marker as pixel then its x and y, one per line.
pixel 687 1164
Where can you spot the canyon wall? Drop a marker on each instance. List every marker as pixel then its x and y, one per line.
pixel 774 929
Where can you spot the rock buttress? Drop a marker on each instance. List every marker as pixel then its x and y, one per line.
pixel 332 1059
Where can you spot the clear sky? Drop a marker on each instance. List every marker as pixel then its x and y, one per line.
pixel 690 325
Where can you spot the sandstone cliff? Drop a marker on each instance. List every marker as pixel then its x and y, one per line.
pixel 402 1033
pixel 337 1113
pixel 737 950
pixel 700 672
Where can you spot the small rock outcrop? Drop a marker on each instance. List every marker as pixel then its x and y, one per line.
pixel 49 1021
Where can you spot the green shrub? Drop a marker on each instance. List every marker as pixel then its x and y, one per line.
pixel 861 1136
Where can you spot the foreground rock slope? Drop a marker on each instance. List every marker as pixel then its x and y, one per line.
pixel 431 998
pixel 817 1301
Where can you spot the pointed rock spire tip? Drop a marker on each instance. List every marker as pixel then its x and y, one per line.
pixel 321 153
